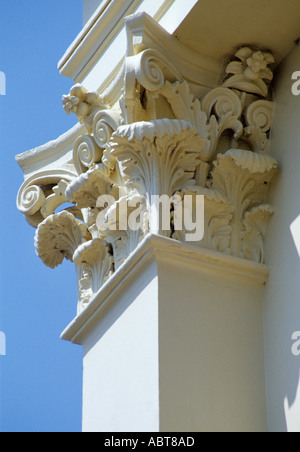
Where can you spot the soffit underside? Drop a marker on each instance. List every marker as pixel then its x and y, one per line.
pixel 218 28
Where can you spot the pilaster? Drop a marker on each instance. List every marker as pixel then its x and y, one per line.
pixel 171 330
pixel 168 346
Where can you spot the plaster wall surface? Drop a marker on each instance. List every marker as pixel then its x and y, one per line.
pixel 211 352
pixel 120 383
pixel 178 346
pixel 282 304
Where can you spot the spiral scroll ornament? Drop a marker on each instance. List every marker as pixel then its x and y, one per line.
pixel 30 200
pixel 260 114
pixel 152 69
pixel 224 102
pixel 259 120
pixel 86 152
pixel 104 125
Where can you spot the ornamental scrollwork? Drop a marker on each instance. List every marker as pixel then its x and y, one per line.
pixel 161 140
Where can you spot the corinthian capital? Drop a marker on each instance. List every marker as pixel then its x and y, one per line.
pixel 160 127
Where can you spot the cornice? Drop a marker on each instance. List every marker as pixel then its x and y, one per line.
pixel 163 250
pixel 104 39
pixel 100 29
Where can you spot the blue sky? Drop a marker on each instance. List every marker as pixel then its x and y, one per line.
pixel 41 376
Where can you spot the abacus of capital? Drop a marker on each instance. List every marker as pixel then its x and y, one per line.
pixel 171 329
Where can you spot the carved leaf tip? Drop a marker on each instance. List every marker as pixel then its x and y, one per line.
pixel 57 238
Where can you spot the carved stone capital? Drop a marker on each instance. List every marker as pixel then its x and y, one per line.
pixel 167 133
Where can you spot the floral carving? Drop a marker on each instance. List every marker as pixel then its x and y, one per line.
pixel 250 72
pixel 83 103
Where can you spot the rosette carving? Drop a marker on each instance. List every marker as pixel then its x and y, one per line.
pixel 84 104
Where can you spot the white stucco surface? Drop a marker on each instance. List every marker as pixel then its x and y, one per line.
pixel 120 380
pixel 177 346
pixel 282 303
